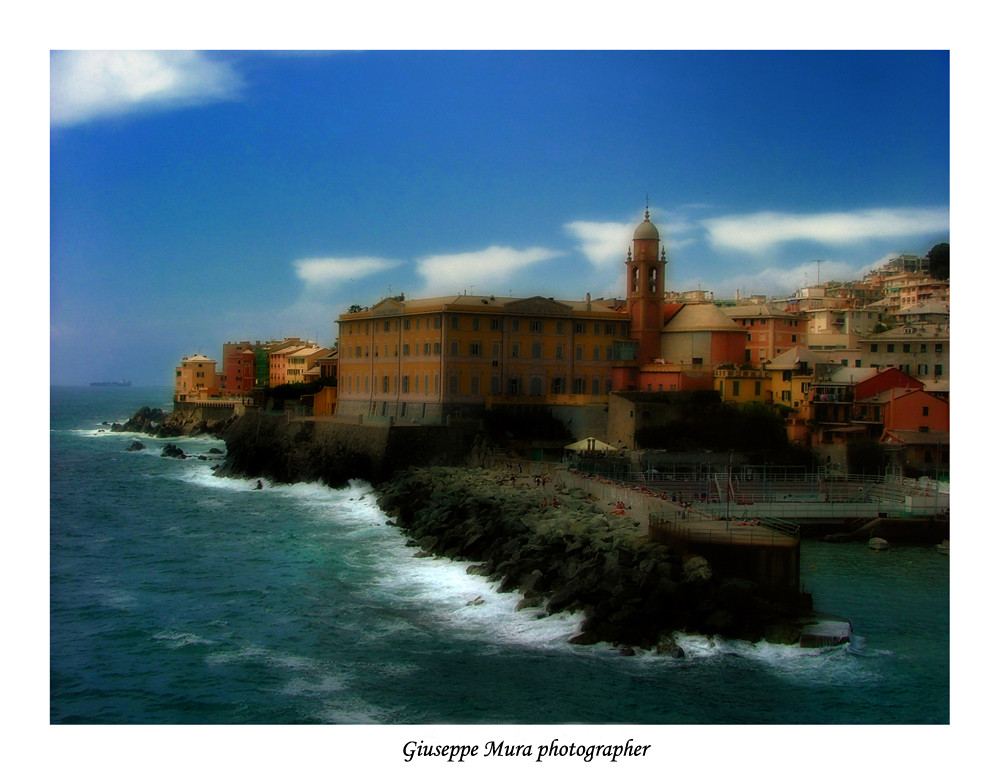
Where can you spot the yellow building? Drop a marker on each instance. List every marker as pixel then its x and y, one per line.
pixel 195 379
pixel 424 360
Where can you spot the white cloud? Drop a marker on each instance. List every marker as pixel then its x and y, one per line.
pixel 88 85
pixel 492 270
pixel 325 272
pixel 760 232
pixel 602 243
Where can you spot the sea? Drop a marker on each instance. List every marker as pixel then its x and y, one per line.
pixel 178 597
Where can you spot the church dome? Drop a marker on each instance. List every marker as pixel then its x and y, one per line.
pixel 646 230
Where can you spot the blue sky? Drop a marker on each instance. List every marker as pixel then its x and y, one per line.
pixel 197 198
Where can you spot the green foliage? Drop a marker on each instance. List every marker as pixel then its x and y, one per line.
pixel 939 264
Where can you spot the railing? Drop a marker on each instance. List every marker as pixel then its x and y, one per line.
pixel 769 532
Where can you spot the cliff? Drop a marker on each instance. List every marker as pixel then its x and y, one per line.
pixel 303 450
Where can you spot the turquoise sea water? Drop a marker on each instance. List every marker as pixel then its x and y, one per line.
pixel 178 597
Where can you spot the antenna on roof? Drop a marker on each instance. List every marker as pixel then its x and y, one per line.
pixel 818 262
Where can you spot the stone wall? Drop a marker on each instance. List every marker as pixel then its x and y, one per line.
pixel 301 449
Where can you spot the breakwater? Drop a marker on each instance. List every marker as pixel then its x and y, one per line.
pixel 560 549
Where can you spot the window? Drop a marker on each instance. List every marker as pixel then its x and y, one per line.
pixel 558 385
pixel 559 326
pixel 906 348
pixel 515 325
pixel 579 386
pixel 874 348
pixel 597 353
pixel 578 327
pixel 385 325
pixel 454 347
pixel 475 324
pixel 609 329
pixel 939 348
pixel 453 384
pixel 494 386
pixel 406 324
pixel 406 350
pixel 385 384
pixel 475 386
pixel 475 348
pixel 515 351
pixel 923 347
pixel 514 386
pixel 496 324
pixel 535 326
pixel 938 370
pixel 756 388
pixel 559 351
pixel 454 323
pixel 696 361
pixel 926 410
pixel 736 388
pixel 579 352
pixel 890 348
pixel 536 349
pixel 794 338
pixel 406 384
pixel 595 387
pixel 437 349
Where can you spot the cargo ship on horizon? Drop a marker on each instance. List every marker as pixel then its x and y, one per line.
pixel 116 383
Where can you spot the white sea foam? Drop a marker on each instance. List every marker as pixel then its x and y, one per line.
pixel 175 639
pixel 803 666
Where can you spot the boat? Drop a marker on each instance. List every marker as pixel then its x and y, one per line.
pixel 944 547
pixel 116 383
pixel 878 544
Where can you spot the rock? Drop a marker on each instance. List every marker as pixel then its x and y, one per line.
pixel 135 446
pixel 626 651
pixel 695 569
pixel 668 647
pixel 172 450
pixel 478 600
pixel 216 451
pixel 719 621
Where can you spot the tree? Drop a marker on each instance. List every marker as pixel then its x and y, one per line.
pixel 938 258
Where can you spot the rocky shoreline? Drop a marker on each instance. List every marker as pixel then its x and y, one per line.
pixel 168 425
pixel 555 546
pixel 561 550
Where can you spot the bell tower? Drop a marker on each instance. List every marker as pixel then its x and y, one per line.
pixel 645 266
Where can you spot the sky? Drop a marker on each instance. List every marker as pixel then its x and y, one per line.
pixel 199 197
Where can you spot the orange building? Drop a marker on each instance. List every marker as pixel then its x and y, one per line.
pixel 424 360
pixel 427 359
pixel 770 331
pixel 195 379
